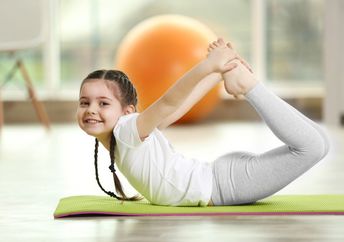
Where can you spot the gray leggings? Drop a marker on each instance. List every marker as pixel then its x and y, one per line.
pixel 243 177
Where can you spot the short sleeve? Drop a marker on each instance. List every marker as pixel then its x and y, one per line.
pixel 126 130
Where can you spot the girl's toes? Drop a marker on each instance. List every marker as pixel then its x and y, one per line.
pixel 229 45
pixel 220 41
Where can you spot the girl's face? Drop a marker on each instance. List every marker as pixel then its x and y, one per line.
pixel 99 109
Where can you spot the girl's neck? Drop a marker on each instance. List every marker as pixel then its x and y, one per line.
pixel 105 140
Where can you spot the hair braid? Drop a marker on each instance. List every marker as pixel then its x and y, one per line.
pixel 111 194
pixel 127 88
pixel 117 182
pixel 118 185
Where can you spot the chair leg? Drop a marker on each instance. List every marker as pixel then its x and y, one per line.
pixel 40 110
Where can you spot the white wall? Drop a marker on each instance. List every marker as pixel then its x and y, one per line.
pixel 334 61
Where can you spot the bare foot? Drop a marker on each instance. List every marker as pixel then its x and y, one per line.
pixel 240 80
pixel 220 56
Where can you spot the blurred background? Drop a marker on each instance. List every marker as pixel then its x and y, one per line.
pixel 47 47
pixel 286 42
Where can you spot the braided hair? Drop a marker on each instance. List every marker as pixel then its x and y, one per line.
pixel 127 96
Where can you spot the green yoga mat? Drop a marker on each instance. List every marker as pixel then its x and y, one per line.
pixel 275 205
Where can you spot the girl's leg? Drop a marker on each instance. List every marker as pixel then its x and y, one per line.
pixel 243 177
pixel 314 125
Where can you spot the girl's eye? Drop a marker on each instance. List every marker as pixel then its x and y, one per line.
pixel 103 103
pixel 83 104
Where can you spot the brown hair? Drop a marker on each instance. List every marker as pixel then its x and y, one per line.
pixel 127 96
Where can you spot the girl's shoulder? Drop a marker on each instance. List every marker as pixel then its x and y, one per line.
pixel 126 130
pixel 127 117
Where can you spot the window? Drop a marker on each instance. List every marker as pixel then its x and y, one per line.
pixel 281 39
pixel 294 41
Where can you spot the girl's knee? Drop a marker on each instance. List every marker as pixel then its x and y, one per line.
pixel 318 148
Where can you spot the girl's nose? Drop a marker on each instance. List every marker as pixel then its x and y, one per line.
pixel 92 109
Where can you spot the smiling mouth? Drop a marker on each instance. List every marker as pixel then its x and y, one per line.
pixel 92 121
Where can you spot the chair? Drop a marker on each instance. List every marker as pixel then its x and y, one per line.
pixel 21 28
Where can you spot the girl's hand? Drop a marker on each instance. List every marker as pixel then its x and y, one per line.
pixel 237 56
pixel 220 55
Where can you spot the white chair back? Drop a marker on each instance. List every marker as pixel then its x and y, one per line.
pixel 21 24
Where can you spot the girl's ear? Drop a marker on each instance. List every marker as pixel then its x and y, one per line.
pixel 129 109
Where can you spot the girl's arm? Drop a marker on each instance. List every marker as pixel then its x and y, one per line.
pixel 198 92
pixel 171 101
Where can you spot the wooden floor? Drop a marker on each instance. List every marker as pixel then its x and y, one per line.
pixel 38 168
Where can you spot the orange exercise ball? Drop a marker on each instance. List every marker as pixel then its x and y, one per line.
pixel 158 51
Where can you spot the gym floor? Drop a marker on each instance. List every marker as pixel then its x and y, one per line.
pixel 37 168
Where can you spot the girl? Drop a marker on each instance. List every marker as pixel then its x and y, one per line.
pixel 107 111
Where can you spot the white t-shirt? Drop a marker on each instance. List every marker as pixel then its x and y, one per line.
pixel 155 170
